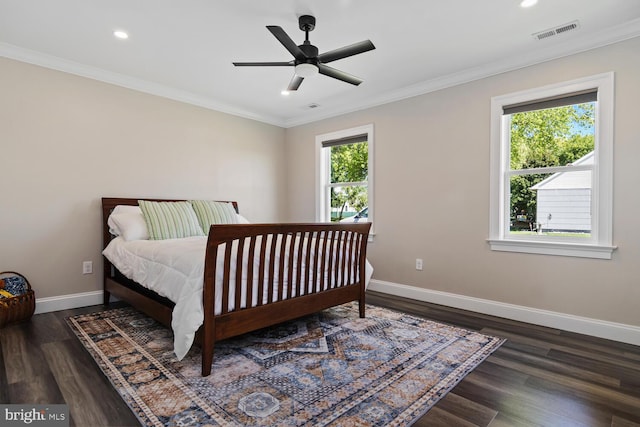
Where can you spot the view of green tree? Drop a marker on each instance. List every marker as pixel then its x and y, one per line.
pixel 349 164
pixel 541 138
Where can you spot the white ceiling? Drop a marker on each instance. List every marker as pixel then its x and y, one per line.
pixel 184 49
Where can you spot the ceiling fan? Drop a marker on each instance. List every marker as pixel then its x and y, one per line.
pixel 307 61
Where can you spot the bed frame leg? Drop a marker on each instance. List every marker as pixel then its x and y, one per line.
pixel 106 297
pixel 361 305
pixel 208 342
pixel 207 357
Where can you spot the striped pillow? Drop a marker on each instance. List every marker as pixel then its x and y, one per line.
pixel 170 220
pixel 211 212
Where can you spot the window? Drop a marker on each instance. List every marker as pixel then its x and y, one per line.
pixel 551 169
pixel 345 175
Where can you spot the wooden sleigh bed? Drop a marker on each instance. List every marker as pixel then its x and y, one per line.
pixel 301 268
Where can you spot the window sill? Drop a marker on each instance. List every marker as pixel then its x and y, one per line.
pixel 549 248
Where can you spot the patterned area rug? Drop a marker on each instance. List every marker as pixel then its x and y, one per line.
pixel 328 369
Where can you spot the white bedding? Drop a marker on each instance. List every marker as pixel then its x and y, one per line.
pixel 174 268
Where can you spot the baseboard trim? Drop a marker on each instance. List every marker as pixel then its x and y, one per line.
pixel 584 325
pixel 65 302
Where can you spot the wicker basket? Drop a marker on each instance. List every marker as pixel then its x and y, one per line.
pixel 17 308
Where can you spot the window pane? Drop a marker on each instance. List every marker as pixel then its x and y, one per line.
pixel 552 137
pixel 556 204
pixel 532 133
pixel 349 163
pixel 349 202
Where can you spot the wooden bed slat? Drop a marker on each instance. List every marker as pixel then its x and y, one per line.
pixel 261 267
pixel 240 274
pixel 300 290
pixel 281 270
pixel 291 259
pixel 250 273
pixel 307 271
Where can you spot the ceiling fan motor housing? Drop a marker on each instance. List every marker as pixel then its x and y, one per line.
pixel 307 22
pixel 311 53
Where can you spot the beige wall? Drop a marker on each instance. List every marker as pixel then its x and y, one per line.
pixel 67 141
pixel 432 192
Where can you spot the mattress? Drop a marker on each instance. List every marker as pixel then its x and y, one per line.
pixel 174 268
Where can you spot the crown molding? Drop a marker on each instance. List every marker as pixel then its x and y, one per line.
pixel 569 47
pixel 82 70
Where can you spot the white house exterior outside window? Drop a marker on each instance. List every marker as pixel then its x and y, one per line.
pixel 326 182
pixel 573 216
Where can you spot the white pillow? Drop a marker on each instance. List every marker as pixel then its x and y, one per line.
pixel 128 222
pixel 242 220
pixel 119 209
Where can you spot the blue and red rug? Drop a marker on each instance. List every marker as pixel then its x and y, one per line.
pixel 328 369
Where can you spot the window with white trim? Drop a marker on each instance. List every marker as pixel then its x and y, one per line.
pixel 552 168
pixel 344 183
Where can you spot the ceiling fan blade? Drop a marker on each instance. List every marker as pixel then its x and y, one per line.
pixel 340 75
pixel 262 64
pixel 295 83
pixel 344 52
pixel 286 41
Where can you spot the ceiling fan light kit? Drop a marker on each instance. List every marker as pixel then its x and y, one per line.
pixel 307 61
pixel 306 70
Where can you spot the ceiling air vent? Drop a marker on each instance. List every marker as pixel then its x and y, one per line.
pixel 561 29
pixel 313 106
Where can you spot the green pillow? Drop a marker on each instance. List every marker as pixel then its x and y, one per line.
pixel 170 220
pixel 211 212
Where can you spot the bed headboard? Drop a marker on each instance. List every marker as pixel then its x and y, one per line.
pixel 108 203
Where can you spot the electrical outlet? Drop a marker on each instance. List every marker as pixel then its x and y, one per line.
pixel 419 264
pixel 87 267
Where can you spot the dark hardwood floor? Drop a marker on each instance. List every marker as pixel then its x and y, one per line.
pixel 539 377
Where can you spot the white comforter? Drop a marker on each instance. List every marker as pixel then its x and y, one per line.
pixel 173 268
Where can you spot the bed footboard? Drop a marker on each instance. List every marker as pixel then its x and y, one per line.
pixel 272 273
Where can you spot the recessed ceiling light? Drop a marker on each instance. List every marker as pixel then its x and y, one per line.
pixel 528 3
pixel 285 93
pixel 121 34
